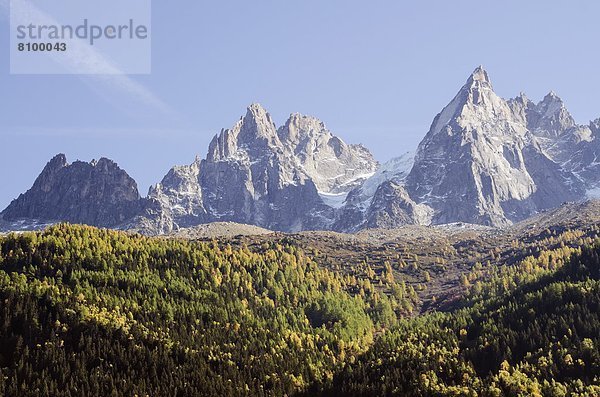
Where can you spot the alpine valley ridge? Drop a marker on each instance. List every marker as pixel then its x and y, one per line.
pixel 485 160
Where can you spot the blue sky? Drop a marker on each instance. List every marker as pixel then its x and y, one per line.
pixel 375 72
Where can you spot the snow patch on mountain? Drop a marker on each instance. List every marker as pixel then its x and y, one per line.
pixel 334 200
pixel 396 170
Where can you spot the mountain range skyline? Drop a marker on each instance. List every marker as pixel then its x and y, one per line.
pixel 382 71
pixel 485 160
pixel 381 160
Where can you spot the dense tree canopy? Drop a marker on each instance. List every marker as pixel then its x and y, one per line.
pixel 531 330
pixel 93 312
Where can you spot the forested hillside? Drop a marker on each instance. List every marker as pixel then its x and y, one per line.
pixel 531 330
pixel 95 312
pixel 92 312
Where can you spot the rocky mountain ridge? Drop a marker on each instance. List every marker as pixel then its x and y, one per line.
pixel 96 193
pixel 485 160
pixel 482 163
pixel 255 173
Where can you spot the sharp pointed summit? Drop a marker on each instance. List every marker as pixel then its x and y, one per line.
pixel 472 101
pixel 252 133
pixel 551 102
pixel 479 75
pixel 479 90
pixel 257 112
pixel 57 162
pixel 474 164
pixel 257 124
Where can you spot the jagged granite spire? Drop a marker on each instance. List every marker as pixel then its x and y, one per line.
pixel 474 164
pixel 334 166
pixel 476 95
pixel 253 133
pixel 550 117
pixel 479 76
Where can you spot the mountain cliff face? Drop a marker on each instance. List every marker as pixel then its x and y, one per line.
pixel 480 163
pixel 97 193
pixel 251 177
pixel 382 201
pixel 177 197
pixel 333 166
pixel 574 147
pixel 485 160
pixel 549 118
pixel 392 207
pixel 257 174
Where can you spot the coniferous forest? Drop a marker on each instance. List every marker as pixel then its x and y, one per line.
pixel 92 312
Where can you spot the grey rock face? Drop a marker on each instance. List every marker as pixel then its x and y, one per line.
pixel 360 205
pixel 479 162
pixel 554 128
pixel 595 127
pixel 554 184
pixel 578 151
pixel 176 202
pixel 586 160
pixel 97 193
pixel 485 160
pixel 257 174
pixel 333 166
pixel 392 207
pixel 550 118
pixel 574 147
pixel 250 176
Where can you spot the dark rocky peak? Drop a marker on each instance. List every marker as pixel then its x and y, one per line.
pixel 48 174
pixel 96 193
pixel 105 164
pixel 57 162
